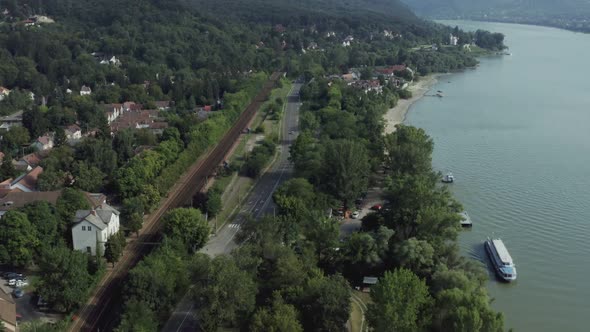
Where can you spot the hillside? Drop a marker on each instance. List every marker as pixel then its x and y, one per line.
pixel 567 14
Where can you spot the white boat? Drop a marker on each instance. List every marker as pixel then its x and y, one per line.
pixel 449 178
pixel 501 259
pixel 465 219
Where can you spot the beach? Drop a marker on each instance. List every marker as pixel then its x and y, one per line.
pixel 397 115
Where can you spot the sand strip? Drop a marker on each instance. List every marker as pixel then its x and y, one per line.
pixel 397 114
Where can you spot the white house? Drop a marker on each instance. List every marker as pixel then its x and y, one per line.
pixel 12 120
pixel 94 227
pixel 4 92
pixel 85 91
pixel 453 40
pixel 73 132
pixel 44 142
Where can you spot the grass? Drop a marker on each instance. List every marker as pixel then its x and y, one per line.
pixel 356 317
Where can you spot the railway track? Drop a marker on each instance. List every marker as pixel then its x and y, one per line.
pixel 103 308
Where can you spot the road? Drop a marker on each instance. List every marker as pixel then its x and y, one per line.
pixel 257 204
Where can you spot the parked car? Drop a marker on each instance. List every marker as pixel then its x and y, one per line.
pixel 18 293
pixel 355 214
pixel 22 283
pixel 12 275
pixel 18 282
pixel 376 207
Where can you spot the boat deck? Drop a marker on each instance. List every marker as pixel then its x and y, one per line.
pixel 465 219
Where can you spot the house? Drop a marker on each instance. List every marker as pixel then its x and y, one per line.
pixel 24 183
pixel 112 61
pixel 142 119
pixel 73 132
pixel 18 199
pixel 453 40
pixel 7 312
pixel 44 142
pixel 113 111
pixel 42 19
pixel 12 120
pixel 368 86
pixel 93 228
pixel 28 162
pixel 85 91
pixel 162 105
pixel 206 108
pixel 4 92
pixel 132 106
pixel 368 282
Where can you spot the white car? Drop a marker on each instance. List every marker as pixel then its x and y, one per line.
pixel 21 283
pixel 356 214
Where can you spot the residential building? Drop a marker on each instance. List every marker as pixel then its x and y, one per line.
pixel 44 142
pixel 8 312
pixel 18 199
pixel 143 119
pixel 162 105
pixel 28 162
pixel 368 86
pixel 113 111
pixel 453 40
pixel 93 228
pixel 24 183
pixel 85 91
pixel 4 92
pixel 73 132
pixel 12 120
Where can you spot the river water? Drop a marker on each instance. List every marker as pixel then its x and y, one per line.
pixel 515 132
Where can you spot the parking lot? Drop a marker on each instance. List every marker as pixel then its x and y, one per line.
pixel 351 225
pixel 26 307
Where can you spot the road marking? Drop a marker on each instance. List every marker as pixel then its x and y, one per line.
pixel 234 226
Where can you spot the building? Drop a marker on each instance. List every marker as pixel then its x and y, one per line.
pixel 453 40
pixel 143 119
pixel 368 86
pixel 8 312
pixel 24 183
pixel 85 91
pixel 28 162
pixel 93 228
pixel 18 199
pixel 44 142
pixel 113 111
pixel 73 132
pixel 4 92
pixel 162 105
pixel 12 120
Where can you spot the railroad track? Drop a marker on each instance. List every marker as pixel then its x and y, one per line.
pixel 102 310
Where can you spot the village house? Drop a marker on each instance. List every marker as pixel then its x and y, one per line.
pixel 368 86
pixel 112 61
pixel 4 92
pixel 453 40
pixel 18 199
pixel 142 119
pixel 85 91
pixel 93 228
pixel 44 142
pixel 12 120
pixel 73 132
pixel 24 183
pixel 7 312
pixel 162 105
pixel 113 111
pixel 27 162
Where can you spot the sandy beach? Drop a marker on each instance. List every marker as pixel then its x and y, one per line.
pixel 397 114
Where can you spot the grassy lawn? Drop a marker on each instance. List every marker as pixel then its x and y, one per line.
pixel 356 317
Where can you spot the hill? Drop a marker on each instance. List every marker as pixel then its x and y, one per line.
pixel 567 14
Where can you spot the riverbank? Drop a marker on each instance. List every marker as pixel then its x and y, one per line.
pixel 397 114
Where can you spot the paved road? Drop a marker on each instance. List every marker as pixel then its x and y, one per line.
pixel 257 204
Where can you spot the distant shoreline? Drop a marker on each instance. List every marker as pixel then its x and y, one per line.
pixel 397 114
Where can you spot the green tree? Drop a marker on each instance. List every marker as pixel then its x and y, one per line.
pixel 114 248
pixel 280 317
pixel 60 137
pixel 217 305
pixel 51 180
pixel 7 170
pixel 213 203
pixel 409 150
pixel 44 219
pixel 70 201
pixel 88 178
pixel 64 279
pixel 138 317
pixel 187 225
pixel 134 223
pixel 18 239
pixel 346 169
pixel 414 255
pixel 324 303
pixel 400 302
pixel 15 138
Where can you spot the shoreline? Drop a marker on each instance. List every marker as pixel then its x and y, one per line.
pixel 397 114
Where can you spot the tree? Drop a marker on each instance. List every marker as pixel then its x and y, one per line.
pixel 409 150
pixel 213 204
pixel 15 138
pixel 280 317
pixel 64 279
pixel 7 170
pixel 18 239
pixel 88 178
pixel 44 219
pixel 70 201
pixel 400 302
pixel 134 223
pixel 123 145
pixel 51 180
pixel 138 317
pixel 187 225
pixel 346 169
pixel 114 247
pixel 217 305
pixel 324 303
pixel 415 255
pixel 60 137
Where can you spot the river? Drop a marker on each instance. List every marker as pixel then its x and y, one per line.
pixel 515 132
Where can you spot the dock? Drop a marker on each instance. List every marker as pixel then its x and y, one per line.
pixel 465 219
